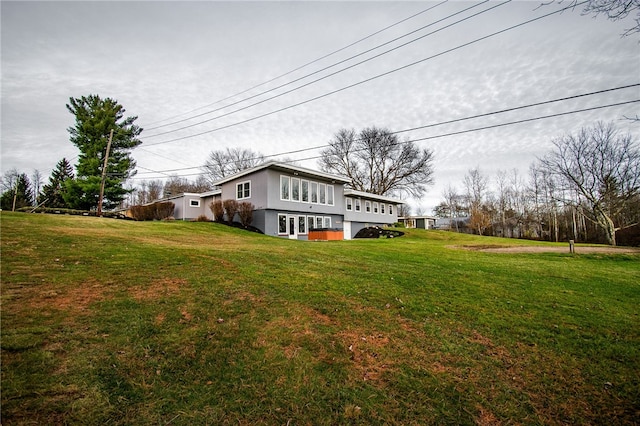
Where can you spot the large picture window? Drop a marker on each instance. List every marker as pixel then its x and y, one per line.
pixel 295 189
pixel 330 195
pixel 305 191
pixel 314 192
pixel 311 220
pixel 323 194
pixel 243 190
pixel 284 187
pixel 319 222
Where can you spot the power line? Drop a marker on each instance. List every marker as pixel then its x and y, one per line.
pixel 476 129
pixel 457 120
pixel 368 79
pixel 336 72
pixel 319 71
pixel 495 126
pixel 300 67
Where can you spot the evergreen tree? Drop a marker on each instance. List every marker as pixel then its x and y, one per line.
pixel 95 118
pixel 22 190
pixel 52 193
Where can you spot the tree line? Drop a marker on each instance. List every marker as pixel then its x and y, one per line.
pixel 586 189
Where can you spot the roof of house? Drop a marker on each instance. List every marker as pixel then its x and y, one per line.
pixel 287 168
pixel 362 194
pixel 418 217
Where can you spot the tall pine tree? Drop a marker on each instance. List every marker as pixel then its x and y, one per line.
pixel 52 192
pixel 95 118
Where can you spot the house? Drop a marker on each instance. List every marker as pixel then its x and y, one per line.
pixel 419 222
pixel 294 202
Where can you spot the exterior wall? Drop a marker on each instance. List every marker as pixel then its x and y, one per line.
pixel 259 189
pixel 363 219
pixel 267 221
pixel 275 202
pixel 183 209
pixel 265 195
pixel 419 222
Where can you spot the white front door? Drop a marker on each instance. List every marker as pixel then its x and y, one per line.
pixel 292 226
pixel 346 225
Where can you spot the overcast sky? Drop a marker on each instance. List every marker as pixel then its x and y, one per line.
pixel 169 61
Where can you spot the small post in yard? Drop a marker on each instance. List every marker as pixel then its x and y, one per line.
pixel 571 247
pixel 104 174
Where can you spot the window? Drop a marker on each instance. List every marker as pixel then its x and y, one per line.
pixel 349 203
pixel 327 222
pixel 381 208
pixel 390 209
pixel 302 224
pixel 330 195
pixel 295 189
pixel 282 224
pixel 194 203
pixel 367 206
pixel 311 220
pixel 357 204
pixel 375 207
pixel 243 190
pixel 284 187
pixel 314 192
pixel 323 194
pixel 305 191
pixel 318 221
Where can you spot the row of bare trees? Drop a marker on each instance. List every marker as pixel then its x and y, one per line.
pixel 586 189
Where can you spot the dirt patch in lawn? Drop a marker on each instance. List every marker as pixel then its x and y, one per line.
pixel 158 288
pixel 73 299
pixel 548 249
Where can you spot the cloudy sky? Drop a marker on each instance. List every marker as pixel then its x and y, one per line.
pixel 167 62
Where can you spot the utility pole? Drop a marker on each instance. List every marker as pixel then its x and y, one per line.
pixel 104 174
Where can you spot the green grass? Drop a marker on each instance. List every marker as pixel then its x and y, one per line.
pixel 117 322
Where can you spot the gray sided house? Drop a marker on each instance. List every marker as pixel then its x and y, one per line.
pixel 419 222
pixel 290 201
pixel 363 210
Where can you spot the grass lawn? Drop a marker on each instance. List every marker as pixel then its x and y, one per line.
pixel 116 322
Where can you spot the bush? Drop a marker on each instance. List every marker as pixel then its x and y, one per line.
pixel 217 208
pixel 142 212
pixel 245 211
pixel 156 211
pixel 202 218
pixel 163 210
pixel 231 208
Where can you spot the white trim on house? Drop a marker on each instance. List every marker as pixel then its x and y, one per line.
pixel 284 167
pixel 368 195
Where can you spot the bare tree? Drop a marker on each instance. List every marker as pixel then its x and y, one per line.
pixel 178 185
pixel 154 190
pixel 476 185
pixel 614 10
pixel 603 168
pixel 36 182
pixel 222 163
pixel 376 161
